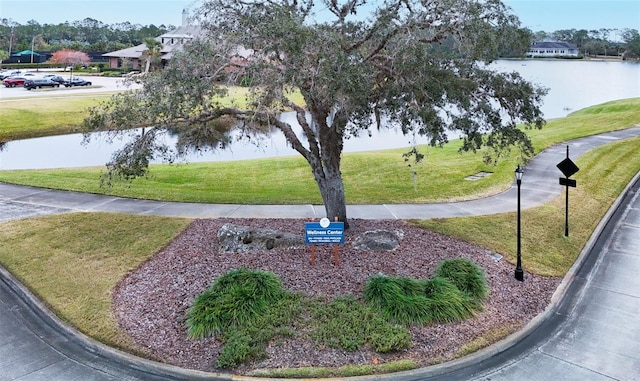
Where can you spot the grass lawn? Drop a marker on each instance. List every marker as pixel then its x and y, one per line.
pixel 370 177
pixel 102 248
pixel 36 117
pixel 73 261
pixel 604 172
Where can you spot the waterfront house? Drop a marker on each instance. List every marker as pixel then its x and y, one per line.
pixel 553 49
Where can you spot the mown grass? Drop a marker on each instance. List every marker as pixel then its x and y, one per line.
pixel 37 117
pixel 31 117
pixel 343 371
pixel 102 248
pixel 73 261
pixel 370 177
pixel 604 172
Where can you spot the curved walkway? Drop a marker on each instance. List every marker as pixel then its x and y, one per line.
pixel 589 332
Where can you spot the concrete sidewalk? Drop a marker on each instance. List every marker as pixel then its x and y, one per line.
pixel 589 332
pixel 539 186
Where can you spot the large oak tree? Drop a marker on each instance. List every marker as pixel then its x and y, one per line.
pixel 420 65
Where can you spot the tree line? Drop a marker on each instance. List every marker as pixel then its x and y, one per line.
pixel 88 35
pixel 604 41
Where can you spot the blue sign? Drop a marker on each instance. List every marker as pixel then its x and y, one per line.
pixel 317 233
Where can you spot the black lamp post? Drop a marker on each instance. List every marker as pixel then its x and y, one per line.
pixel 519 273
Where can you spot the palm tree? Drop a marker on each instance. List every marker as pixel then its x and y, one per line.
pixel 153 51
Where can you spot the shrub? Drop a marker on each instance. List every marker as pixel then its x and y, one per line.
pixel 447 303
pixel 245 309
pixel 388 337
pixel 467 276
pixel 349 324
pixel 458 289
pixel 235 299
pixel 238 348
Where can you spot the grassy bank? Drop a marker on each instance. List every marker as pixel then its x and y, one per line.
pixel 102 248
pixel 73 261
pixel 31 117
pixel 604 172
pixel 36 117
pixel 370 177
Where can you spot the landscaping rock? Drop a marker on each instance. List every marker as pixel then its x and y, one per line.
pixel 378 240
pixel 241 239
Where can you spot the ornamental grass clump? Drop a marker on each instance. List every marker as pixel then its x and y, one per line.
pixel 236 299
pixel 455 293
pixel 467 276
pixel 446 302
pixel 398 299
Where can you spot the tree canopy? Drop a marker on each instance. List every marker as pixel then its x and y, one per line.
pixel 88 35
pixel 358 64
pixel 70 57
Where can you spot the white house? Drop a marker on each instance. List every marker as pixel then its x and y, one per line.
pixel 551 48
pixel 170 41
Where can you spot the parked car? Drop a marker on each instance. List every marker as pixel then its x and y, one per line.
pixel 37 83
pixel 14 81
pixel 54 78
pixel 9 73
pixel 75 81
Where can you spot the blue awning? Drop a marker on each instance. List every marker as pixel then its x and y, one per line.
pixel 25 53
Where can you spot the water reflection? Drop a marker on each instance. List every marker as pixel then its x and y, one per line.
pixel 68 151
pixel 573 85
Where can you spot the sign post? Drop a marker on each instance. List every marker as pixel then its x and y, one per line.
pixel 324 232
pixel 568 168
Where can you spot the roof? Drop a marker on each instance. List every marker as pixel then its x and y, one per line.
pixel 132 52
pixel 548 44
pixel 188 32
pixel 183 31
pixel 25 53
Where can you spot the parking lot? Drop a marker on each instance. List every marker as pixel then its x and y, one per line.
pixel 99 84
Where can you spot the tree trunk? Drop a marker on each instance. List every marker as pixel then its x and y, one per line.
pixel 332 191
pixel 324 156
pixel 327 173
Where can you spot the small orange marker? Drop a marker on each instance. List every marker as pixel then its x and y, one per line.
pixel 375 360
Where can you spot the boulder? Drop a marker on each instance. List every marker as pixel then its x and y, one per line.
pixel 378 240
pixel 237 238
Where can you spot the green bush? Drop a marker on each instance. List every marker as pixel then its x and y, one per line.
pixel 457 291
pixel 245 309
pixel 234 300
pixel 389 337
pixel 238 348
pixel 446 302
pixel 401 300
pixel 348 324
pixel 466 275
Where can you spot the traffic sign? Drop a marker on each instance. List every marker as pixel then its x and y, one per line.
pixel 567 167
pixel 568 182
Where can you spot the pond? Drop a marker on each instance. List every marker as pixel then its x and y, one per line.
pixel 573 85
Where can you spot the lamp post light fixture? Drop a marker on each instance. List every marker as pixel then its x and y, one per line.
pixel 33 39
pixel 519 273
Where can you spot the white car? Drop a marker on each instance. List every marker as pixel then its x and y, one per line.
pixel 10 73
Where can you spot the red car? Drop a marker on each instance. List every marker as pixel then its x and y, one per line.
pixel 14 81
